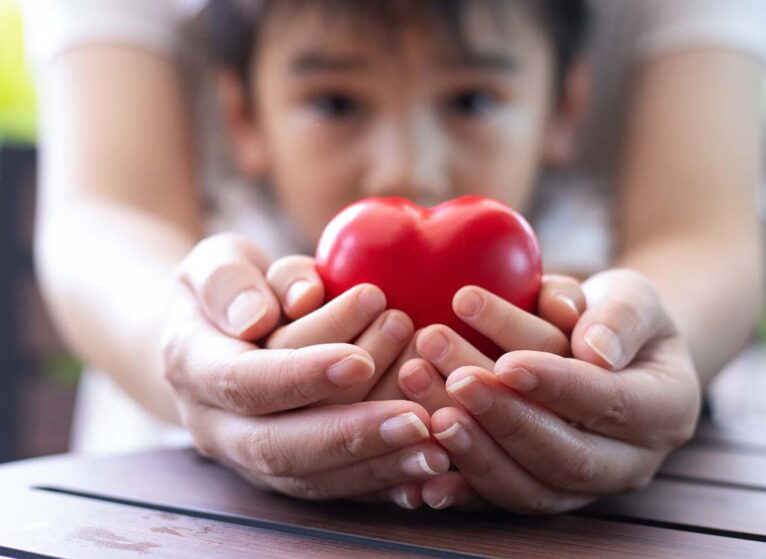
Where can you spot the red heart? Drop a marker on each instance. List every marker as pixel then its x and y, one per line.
pixel 420 257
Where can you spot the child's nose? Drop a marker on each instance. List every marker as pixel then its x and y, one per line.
pixel 409 160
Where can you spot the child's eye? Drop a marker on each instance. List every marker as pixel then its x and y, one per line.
pixel 472 102
pixel 335 105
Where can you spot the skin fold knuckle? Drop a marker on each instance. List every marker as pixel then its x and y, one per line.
pixel 298 387
pixel 518 423
pixel 352 441
pixel 266 453
pixel 615 412
pixel 583 469
pixel 306 488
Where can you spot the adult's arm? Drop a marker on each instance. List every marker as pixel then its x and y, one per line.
pixel 687 216
pixel 117 207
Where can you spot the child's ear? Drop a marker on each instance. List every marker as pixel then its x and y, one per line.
pixel 245 139
pixel 572 103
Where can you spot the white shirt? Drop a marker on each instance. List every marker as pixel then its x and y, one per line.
pixel 575 208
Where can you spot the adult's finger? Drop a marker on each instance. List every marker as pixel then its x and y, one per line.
pixel 561 301
pixel 492 473
pixel 225 274
pixel 340 320
pixel 296 284
pixel 417 462
pixel 642 405
pixel 451 490
pixel 508 326
pixel 624 314
pixel 552 450
pixel 206 366
pixel 310 441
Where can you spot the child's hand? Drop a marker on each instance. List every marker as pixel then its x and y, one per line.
pixel 437 350
pixel 543 433
pixel 356 316
pixel 227 389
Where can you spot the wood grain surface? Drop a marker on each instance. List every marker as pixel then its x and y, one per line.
pixel 708 502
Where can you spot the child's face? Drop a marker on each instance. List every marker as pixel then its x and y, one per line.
pixel 340 114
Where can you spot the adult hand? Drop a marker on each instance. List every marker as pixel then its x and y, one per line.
pixel 541 433
pixel 228 388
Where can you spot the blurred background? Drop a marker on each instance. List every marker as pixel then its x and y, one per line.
pixel 38 378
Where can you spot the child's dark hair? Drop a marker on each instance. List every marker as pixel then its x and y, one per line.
pixel 235 24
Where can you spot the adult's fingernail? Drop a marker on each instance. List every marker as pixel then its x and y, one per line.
pixel 469 304
pixel 395 327
pixel 403 429
pixel 442 503
pixel 569 302
pixel 519 379
pixel 604 342
pixel 433 345
pixel 417 381
pixel 350 370
pixel 297 290
pixel 400 497
pixel 372 301
pixel 416 464
pixel 455 439
pixel 246 309
pixel 475 396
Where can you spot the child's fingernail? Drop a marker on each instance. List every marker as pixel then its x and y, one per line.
pixel 403 429
pixel 372 301
pixel 433 345
pixel 417 381
pixel 569 302
pixel 296 291
pixel 519 379
pixel 472 393
pixel 442 503
pixel 604 342
pixel 246 309
pixel 350 370
pixel 469 304
pixel 394 327
pixel 455 439
pixel 416 464
pixel 400 497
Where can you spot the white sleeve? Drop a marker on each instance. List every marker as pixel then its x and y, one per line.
pixel 52 26
pixel 669 25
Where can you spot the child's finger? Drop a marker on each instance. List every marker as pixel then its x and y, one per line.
pixel 384 340
pixel 447 350
pixel 508 326
pixel 340 320
pixel 296 284
pixel 405 495
pixel 636 405
pixel 492 473
pixel 421 383
pixel 624 314
pixel 387 387
pixel 561 301
pixel 225 275
pixel 531 435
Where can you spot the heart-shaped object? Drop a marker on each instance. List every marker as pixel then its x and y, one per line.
pixel 421 257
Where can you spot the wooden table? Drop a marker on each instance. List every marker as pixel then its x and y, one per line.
pixel 709 501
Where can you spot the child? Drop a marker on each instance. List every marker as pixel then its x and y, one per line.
pixel 332 102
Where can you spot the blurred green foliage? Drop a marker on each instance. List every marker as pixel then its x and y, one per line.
pixel 61 368
pixel 17 96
